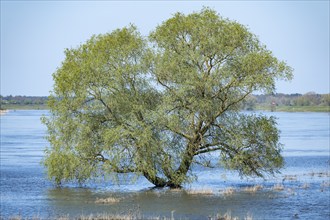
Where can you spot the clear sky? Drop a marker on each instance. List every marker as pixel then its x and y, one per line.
pixel 34 35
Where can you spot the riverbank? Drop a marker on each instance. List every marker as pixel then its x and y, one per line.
pixel 2 112
pixel 257 108
pixel 24 107
pixel 293 108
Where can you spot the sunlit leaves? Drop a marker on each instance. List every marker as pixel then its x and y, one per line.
pixel 125 104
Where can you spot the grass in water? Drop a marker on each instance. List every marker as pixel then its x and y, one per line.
pixel 109 200
pixel 131 216
pixel 228 191
pixel 200 192
pixel 278 187
pixel 253 189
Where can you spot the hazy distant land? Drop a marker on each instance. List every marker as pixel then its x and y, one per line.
pixel 309 102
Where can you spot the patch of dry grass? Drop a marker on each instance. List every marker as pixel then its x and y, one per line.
pixel 109 200
pixel 2 112
pixel 130 216
pixel 319 174
pixel 253 189
pixel 228 191
pixel 290 177
pixel 305 186
pixel 278 187
pixel 200 192
pixel 107 217
pixel 176 190
pixel 228 216
pixel 291 192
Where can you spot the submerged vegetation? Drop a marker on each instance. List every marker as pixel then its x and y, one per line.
pixel 272 190
pixel 132 216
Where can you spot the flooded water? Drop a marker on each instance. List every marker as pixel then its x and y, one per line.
pixel 300 191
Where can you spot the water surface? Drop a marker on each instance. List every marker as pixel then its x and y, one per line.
pixel 25 189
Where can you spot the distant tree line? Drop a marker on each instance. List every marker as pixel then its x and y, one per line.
pixel 280 99
pixel 23 100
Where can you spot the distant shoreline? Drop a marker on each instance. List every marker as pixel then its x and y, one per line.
pixel 257 108
pixel 309 102
pixel 293 108
pixel 24 107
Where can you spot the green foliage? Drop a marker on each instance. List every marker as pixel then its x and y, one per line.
pixel 122 104
pixel 252 141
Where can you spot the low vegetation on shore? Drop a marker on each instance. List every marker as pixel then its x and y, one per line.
pixel 23 102
pixel 309 102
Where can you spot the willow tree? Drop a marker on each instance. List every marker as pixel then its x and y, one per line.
pixel 156 106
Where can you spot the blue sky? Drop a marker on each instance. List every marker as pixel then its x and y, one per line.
pixel 34 35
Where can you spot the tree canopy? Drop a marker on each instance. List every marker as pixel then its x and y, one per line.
pixel 123 103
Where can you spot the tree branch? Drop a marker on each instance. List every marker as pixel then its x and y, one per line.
pixel 206 150
pixel 179 133
pixel 114 167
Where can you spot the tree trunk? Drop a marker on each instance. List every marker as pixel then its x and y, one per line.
pixel 174 179
pixel 183 169
pixel 157 181
pixel 186 160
